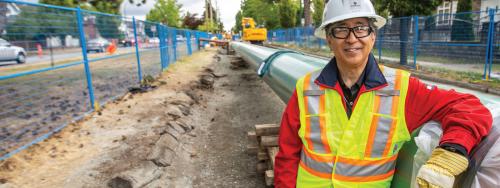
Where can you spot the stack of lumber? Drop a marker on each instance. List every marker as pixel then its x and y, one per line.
pixel 264 144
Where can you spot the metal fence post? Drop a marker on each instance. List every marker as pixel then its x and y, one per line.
pixel 489 46
pixel 492 41
pixel 197 35
pixel 139 71
pixel 415 42
pixel 380 41
pixel 162 45
pixel 167 46
pixel 174 39
pixel 188 42
pixel 83 44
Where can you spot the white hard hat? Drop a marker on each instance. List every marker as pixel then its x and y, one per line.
pixel 338 10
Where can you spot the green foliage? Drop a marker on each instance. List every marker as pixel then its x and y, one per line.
pixel 238 27
pixel 209 26
pixel 288 13
pixel 64 3
pixel 462 30
pixel 400 8
pixel 430 23
pixel 108 26
pixel 37 23
pixel 319 6
pixel 264 12
pixel 166 12
pixel 107 6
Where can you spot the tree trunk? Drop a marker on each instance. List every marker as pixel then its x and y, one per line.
pixel 403 37
pixel 307 13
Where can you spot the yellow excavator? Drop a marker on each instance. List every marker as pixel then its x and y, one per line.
pixel 252 34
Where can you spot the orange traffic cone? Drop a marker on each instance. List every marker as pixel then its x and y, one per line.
pixel 111 48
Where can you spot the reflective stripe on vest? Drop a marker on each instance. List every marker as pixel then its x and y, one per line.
pixel 385 120
pixel 315 110
pixel 320 166
pixel 339 162
pixel 364 170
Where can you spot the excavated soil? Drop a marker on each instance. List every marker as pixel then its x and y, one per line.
pixel 189 131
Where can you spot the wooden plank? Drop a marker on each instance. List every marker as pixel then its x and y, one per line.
pixel 267 129
pixel 269 176
pixel 252 137
pixel 272 152
pixel 252 149
pixel 269 141
pixel 262 156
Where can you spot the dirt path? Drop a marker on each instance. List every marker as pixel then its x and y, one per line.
pixel 184 133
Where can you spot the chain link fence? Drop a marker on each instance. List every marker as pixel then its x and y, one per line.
pixel 463 42
pixel 58 64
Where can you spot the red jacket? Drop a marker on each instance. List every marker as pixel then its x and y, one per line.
pixel 464 119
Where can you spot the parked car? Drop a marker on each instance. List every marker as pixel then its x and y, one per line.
pixel 97 45
pixel 154 40
pixel 180 38
pixel 127 42
pixel 8 52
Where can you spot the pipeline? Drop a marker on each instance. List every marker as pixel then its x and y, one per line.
pixel 281 69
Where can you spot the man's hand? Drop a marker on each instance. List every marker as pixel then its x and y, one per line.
pixel 441 169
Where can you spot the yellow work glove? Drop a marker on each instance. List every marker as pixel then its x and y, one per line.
pixel 441 169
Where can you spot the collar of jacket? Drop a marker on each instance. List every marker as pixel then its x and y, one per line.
pixel 374 79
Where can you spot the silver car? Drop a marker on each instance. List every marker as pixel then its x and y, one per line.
pixel 97 45
pixel 11 53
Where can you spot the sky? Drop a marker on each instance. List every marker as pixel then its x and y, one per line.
pixel 228 9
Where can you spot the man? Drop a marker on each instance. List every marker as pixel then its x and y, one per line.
pixel 345 124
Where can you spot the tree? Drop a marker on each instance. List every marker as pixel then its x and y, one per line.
pixel 319 6
pixel 43 22
pixel 287 10
pixel 238 27
pixel 211 22
pixel 64 3
pixel 402 8
pixel 191 21
pixel 461 29
pixel 107 6
pixel 166 12
pixel 307 13
pixel 264 12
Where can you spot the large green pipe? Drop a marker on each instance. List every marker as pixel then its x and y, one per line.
pixel 284 70
pixel 287 68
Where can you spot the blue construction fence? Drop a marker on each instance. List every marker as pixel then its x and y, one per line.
pixel 464 42
pixel 57 64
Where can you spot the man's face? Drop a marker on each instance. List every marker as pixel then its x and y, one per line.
pixel 351 51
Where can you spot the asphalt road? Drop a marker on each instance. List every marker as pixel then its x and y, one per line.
pixel 62 56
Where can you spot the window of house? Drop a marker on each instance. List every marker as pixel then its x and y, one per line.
pixel 441 16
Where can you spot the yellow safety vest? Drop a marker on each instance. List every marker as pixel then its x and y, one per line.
pixel 358 152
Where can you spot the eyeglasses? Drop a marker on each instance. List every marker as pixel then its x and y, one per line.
pixel 343 32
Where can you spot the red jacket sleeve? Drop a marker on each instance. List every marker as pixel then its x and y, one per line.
pixel 287 160
pixel 465 121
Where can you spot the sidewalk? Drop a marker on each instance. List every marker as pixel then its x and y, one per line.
pixel 477 68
